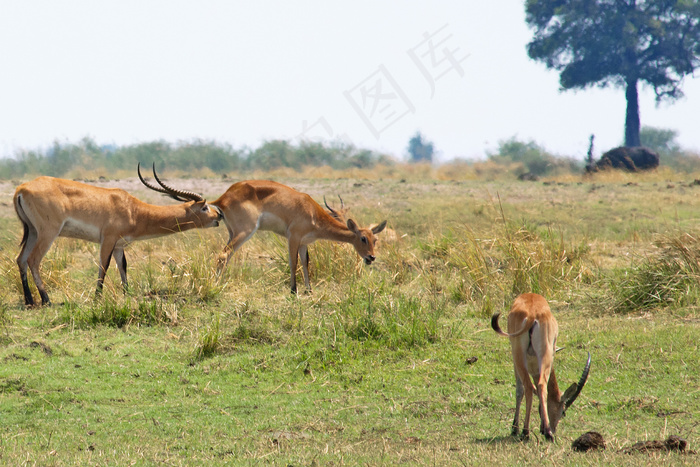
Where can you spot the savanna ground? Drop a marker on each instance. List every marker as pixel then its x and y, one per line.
pixel 390 364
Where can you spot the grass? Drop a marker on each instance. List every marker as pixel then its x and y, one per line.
pixel 384 365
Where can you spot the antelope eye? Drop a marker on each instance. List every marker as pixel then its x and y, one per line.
pixel 364 240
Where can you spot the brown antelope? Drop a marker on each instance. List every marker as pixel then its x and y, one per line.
pixel 533 331
pixel 254 205
pixel 389 236
pixel 52 207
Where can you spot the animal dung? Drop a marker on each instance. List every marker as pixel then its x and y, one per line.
pixel 673 443
pixel 592 440
pixel 587 441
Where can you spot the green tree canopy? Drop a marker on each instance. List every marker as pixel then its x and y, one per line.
pixel 661 140
pixel 420 150
pixel 619 43
pixel 534 158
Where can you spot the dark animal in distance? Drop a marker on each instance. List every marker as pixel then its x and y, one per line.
pixel 630 159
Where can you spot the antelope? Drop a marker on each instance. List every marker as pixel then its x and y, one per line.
pixel 390 235
pixel 253 205
pixel 52 207
pixel 533 331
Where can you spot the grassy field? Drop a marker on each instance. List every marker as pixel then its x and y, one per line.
pixel 389 364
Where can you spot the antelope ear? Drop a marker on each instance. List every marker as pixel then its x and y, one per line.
pixel 353 227
pixel 378 228
pixel 569 393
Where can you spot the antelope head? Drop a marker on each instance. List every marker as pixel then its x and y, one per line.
pixel 197 205
pixel 364 240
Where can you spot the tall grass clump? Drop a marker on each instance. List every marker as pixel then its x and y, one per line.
pixel 332 262
pixel 541 264
pixel 670 278
pixel 181 269
pixel 194 278
pixel 392 321
pixel 5 316
pixel 117 313
pixel 489 270
pixel 476 269
pixel 209 340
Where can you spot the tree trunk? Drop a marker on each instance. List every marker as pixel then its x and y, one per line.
pixel 632 119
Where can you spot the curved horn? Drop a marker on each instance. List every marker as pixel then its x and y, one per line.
pixel 332 211
pixel 584 376
pixel 180 195
pixel 152 187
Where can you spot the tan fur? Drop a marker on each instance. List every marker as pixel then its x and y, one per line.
pixel 389 236
pixel 253 205
pixel 533 331
pixel 52 207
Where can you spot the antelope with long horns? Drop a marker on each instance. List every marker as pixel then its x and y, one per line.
pixel 52 207
pixel 533 331
pixel 253 205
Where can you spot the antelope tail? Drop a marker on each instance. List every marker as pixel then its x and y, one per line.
pixel 526 327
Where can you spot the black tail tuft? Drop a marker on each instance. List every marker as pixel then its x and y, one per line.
pixel 494 323
pixel 25 226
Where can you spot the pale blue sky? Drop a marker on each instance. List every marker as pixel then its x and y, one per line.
pixel 242 72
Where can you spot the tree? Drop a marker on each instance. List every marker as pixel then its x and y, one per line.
pixel 660 140
pixel 534 158
pixel 619 43
pixel 419 150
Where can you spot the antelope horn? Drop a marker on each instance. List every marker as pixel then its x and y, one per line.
pixel 152 187
pixel 584 376
pixel 180 195
pixel 172 194
pixel 332 211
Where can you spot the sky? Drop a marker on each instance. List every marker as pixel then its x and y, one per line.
pixel 369 73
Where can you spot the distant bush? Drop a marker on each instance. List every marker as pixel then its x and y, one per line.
pixel 86 155
pixel 682 161
pixel 663 142
pixel 530 157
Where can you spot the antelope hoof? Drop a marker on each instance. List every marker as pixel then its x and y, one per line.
pixel 525 435
pixel 45 300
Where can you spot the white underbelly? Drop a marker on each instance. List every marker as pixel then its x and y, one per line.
pixel 77 229
pixel 271 223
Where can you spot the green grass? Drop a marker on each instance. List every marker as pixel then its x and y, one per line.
pixel 384 365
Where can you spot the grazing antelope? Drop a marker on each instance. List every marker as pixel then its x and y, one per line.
pixel 253 205
pixel 389 236
pixel 52 207
pixel 533 331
